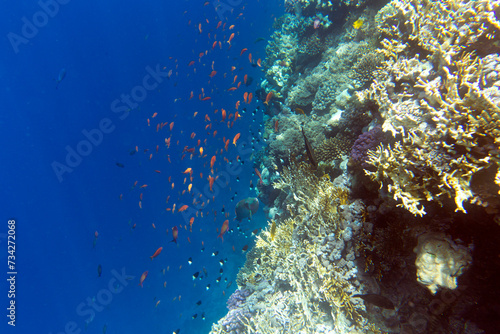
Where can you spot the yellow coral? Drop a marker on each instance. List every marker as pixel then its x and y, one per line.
pixel 444 110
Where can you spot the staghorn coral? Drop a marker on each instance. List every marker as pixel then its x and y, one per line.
pixel 444 110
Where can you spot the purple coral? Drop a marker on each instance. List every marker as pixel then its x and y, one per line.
pixel 237 298
pixel 236 317
pixel 366 141
pixel 234 320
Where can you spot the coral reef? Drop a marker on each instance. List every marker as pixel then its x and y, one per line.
pixel 366 66
pixel 300 7
pixel 327 85
pixel 440 261
pixel 443 108
pixel 237 298
pixel 333 148
pixel 366 141
pixel 410 92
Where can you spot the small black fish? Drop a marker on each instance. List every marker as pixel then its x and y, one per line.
pixel 195 315
pixel 190 260
pixel 259 39
pixel 218 279
pixel 215 253
pixel 120 165
pixel 249 81
pixel 195 275
pixel 132 152
pixel 203 316
pixel 208 286
pixel 376 300
pixel 198 302
pixel 99 270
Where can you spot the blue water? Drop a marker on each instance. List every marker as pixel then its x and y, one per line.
pixel 97 52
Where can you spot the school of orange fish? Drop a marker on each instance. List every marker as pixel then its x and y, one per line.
pixel 209 148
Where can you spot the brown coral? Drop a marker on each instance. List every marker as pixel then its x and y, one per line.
pixel 333 148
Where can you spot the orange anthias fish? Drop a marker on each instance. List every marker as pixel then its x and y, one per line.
pixel 258 174
pixel 175 234
pixel 158 251
pixel 189 170
pixel 268 98
pixel 211 182
pixel 212 162
pixel 235 139
pixel 183 208
pixel 143 277
pixel 223 229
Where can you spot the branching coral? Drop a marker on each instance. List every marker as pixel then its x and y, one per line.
pixel 444 109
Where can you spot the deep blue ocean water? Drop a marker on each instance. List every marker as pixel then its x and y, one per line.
pixel 60 80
